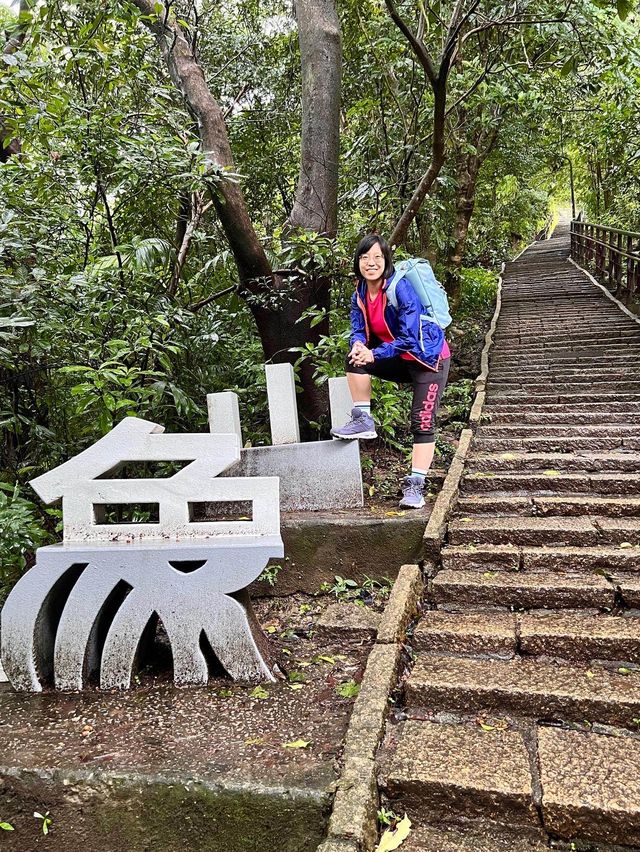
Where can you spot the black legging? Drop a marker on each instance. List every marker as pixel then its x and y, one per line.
pixel 428 387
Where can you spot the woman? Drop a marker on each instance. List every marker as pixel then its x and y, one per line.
pixel 399 344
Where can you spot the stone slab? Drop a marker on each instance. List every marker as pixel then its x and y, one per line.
pixel 431 839
pixel 355 804
pixel 503 557
pixel 590 786
pixel 444 772
pixel 527 688
pixel 340 621
pixel 283 405
pixel 629 589
pixel 319 476
pixel 522 590
pixel 491 633
pixel 523 531
pixel 581 636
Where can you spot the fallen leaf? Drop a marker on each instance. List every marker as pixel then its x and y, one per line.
pixel 624 670
pixel 490 574
pixel 271 629
pixel 256 741
pixel 625 544
pixel 259 693
pixel 393 839
pixel 486 727
pixel 552 473
pixel 298 744
pixel 590 674
pixel 507 456
pixel 6 826
pixel 395 514
pixel 296 686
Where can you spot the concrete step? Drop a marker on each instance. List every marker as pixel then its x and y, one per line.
pixel 569 430
pixel 550 444
pixel 568 634
pixel 591 462
pixel 583 531
pixel 593 388
pixel 443 771
pixel 550 401
pixel 482 633
pixel 524 531
pixel 526 688
pixel 560 416
pixel 580 636
pixel 550 482
pixel 520 590
pixel 545 506
pixel 590 786
pixel 457 839
pixel 611 561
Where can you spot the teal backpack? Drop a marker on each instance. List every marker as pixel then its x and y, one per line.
pixel 431 293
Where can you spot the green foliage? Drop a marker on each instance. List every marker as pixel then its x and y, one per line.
pixel 21 531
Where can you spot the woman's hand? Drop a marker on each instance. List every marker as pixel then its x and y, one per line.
pixel 362 357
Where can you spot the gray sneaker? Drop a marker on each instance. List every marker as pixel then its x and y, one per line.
pixel 412 492
pixel 361 425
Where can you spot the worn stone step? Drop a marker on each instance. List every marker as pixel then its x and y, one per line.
pixel 579 635
pixel 592 462
pixel 580 407
pixel 539 505
pixel 484 633
pixel 523 531
pixel 570 430
pixel 480 839
pixel 443 771
pixel 521 590
pixel 607 561
pixel 550 444
pixel 593 388
pixel 525 401
pixel 530 688
pixel 560 416
pixel 551 481
pixel 629 588
pixel 558 337
pixel 590 786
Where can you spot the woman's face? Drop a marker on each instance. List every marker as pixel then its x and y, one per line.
pixel 372 264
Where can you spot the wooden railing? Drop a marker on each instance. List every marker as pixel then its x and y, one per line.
pixel 613 255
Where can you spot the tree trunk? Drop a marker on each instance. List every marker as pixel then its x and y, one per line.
pixel 316 201
pixel 469 168
pixel 315 205
pixel 399 233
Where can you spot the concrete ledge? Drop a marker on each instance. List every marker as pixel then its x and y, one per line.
pixel 402 605
pixel 100 809
pixel 325 544
pixel 353 823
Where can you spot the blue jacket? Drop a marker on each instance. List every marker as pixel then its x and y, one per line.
pixel 411 330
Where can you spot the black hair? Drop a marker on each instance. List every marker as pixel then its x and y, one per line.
pixel 363 247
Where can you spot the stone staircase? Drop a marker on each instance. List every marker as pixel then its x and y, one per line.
pixel 522 710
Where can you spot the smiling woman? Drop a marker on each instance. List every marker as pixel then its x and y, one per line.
pixel 393 339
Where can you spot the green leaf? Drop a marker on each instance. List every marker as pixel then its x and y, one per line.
pixel 6 826
pixel 348 689
pixel 259 693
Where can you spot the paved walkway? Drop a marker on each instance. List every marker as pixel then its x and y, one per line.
pixel 522 710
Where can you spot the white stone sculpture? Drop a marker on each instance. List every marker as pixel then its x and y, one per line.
pixel 81 611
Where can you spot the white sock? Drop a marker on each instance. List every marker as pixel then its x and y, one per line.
pixel 363 406
pixel 415 471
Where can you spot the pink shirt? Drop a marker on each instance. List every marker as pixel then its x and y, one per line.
pixel 379 327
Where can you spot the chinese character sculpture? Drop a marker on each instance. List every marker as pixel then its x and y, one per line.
pixel 81 611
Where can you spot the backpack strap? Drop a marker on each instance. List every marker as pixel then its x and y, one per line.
pixel 390 292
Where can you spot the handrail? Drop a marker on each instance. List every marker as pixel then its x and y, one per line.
pixel 611 253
